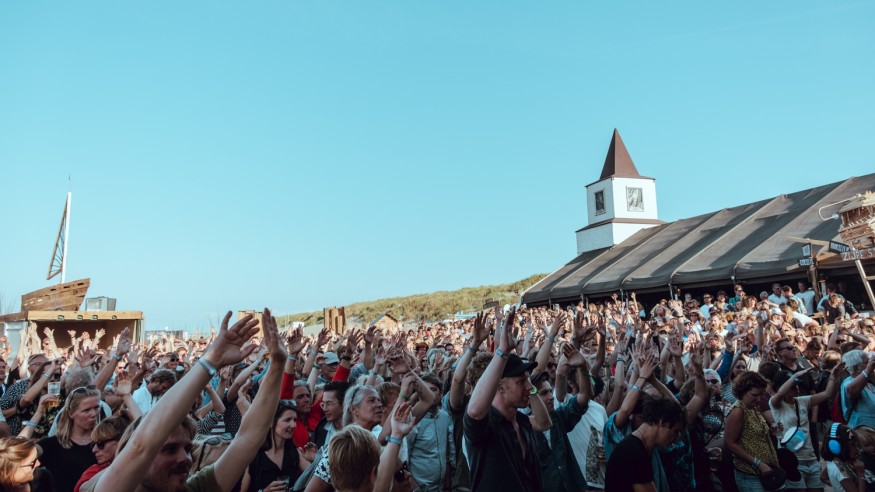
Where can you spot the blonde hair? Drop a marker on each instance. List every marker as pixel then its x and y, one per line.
pixel 13 450
pixel 65 423
pixel 354 453
pixel 866 435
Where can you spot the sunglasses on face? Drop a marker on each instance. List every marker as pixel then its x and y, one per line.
pixel 102 444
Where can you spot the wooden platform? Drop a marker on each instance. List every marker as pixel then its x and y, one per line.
pixel 62 297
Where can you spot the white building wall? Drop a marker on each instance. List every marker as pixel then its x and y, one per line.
pixel 595 238
pixel 622 232
pixel 591 190
pixel 648 188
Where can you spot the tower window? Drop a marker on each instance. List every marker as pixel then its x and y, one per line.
pixel 599 202
pixel 634 199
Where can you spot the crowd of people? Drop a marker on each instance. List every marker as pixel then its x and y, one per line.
pixel 749 391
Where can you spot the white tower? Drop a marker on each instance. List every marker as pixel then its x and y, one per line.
pixel 619 204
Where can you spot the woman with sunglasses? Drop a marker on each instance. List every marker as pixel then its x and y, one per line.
pixel 278 457
pixel 105 437
pixel 68 454
pixel 19 466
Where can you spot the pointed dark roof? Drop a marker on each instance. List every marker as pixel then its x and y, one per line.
pixel 618 163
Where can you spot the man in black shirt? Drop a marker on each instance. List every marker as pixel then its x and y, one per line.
pixel 499 441
pixel 629 467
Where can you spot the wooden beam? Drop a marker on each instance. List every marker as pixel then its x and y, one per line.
pixel 806 240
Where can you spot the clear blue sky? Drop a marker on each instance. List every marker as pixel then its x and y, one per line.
pixel 232 155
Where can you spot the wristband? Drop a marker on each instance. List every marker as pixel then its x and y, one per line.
pixel 293 359
pixel 636 388
pixel 311 352
pixel 116 357
pixel 534 392
pixel 551 340
pixel 473 349
pixel 501 354
pixel 207 367
pixel 403 397
pixel 394 440
pixel 756 462
pixel 453 367
pixel 865 374
pixel 48 375
pixel 317 366
pixel 29 423
pixel 573 339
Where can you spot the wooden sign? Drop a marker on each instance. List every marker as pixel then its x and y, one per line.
pixel 490 304
pixel 837 247
pixel 859 254
pixel 806 262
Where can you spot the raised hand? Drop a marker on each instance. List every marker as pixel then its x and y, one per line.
pixel 124 342
pixel 272 337
pixel 86 357
pixel 123 384
pixel 572 356
pixel 308 452
pixel 295 342
pixel 323 338
pixel 227 348
pixel 647 368
pixel 402 421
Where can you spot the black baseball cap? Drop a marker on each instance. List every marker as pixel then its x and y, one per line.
pixel 517 366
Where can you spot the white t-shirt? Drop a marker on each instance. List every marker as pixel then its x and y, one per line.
pixel 777 299
pixel 593 421
pixel 836 475
pixel 802 319
pixel 807 298
pixel 785 413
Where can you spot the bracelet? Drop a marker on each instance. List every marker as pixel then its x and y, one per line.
pixel 317 366
pixel 551 340
pixel 48 375
pixel 116 357
pixel 207 367
pixel 403 397
pixel 501 354
pixel 533 392
pixel 756 462
pixel 573 339
pixel 29 423
pixel 621 359
pixel 453 367
pixel 473 349
pixel 865 374
pixel 394 440
pixel 311 352
pixel 293 359
pixel 636 388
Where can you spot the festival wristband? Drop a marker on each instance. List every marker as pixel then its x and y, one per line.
pixel 636 388
pixel 29 423
pixel 394 440
pixel 207 367
pixel 501 354
pixel 117 357
pixel 551 340
pixel 291 358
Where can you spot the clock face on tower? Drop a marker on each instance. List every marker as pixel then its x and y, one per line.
pixel 634 199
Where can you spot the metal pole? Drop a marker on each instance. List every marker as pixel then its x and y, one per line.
pixel 66 237
pixel 863 278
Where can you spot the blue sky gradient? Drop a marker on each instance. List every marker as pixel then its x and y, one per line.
pixel 231 155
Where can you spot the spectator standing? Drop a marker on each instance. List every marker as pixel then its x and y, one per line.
pixel 858 392
pixel 499 440
pixel 628 468
pixel 747 434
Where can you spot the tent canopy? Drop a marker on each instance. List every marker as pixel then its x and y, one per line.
pixel 747 243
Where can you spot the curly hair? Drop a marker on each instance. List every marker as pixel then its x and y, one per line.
pixel 747 381
pixel 477 367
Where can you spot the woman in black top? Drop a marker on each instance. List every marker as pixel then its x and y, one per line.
pixel 68 454
pixel 278 457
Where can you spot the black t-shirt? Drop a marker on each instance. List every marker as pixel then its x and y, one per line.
pixel 630 463
pixel 65 465
pixel 263 470
pixel 497 461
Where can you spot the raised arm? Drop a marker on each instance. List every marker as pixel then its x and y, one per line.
pixel 457 385
pixel 776 399
pixel 700 397
pixel 546 348
pixel 133 461
pixel 826 394
pixel 645 373
pixel 105 374
pixel 256 423
pixel 484 390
